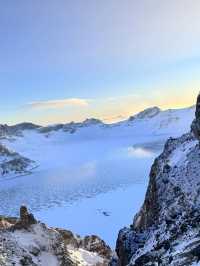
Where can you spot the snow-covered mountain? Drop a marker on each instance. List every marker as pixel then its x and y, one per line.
pixel 166 229
pixel 29 140
pixel 150 121
pixel 153 121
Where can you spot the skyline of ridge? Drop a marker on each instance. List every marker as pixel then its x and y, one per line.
pixel 113 120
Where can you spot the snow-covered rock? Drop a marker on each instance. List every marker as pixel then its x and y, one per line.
pixel 25 241
pixel 147 113
pixel 16 130
pixel 12 163
pixel 166 229
pixel 50 128
pixel 71 127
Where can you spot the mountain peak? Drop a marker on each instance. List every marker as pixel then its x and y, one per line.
pixel 147 113
pixel 92 121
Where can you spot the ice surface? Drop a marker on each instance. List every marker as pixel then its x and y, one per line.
pixel 84 187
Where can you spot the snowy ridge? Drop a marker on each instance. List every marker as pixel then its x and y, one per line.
pixel 32 141
pixel 150 121
pixel 147 113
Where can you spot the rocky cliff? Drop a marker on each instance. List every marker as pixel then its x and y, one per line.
pixel 166 231
pixel 26 241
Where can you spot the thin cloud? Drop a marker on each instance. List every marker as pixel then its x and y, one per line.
pixel 56 104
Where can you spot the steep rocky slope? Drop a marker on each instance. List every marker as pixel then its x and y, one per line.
pixel 12 163
pixel 166 230
pixel 25 241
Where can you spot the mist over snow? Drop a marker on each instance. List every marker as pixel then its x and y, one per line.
pixel 87 172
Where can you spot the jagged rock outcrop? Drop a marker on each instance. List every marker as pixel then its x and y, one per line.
pixel 166 229
pixel 25 221
pixel 16 130
pixel 26 241
pixel 95 244
pixel 195 127
pixel 12 163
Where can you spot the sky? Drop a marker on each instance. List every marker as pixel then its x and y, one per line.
pixel 63 60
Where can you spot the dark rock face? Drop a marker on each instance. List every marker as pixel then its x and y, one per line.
pixel 16 130
pixel 150 211
pixel 69 238
pixel 195 127
pixel 95 244
pixel 25 221
pixel 169 210
pixel 14 163
pixel 90 243
pixel 4 130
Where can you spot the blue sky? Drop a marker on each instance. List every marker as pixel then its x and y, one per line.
pixel 68 60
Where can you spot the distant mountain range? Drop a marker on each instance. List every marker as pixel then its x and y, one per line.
pixel 152 124
pixel 156 120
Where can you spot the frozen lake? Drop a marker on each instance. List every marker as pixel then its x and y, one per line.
pixel 89 187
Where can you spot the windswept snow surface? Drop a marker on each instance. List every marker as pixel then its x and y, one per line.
pixel 86 177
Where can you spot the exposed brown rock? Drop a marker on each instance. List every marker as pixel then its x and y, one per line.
pixel 195 127
pixel 69 238
pixel 95 244
pixel 26 219
pixel 90 243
